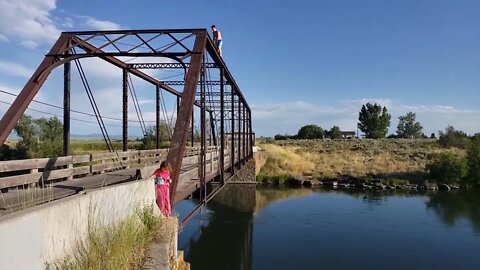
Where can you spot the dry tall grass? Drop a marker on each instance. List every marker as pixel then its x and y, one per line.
pixel 122 245
pixel 357 158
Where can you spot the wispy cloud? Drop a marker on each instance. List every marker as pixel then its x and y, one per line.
pixel 28 21
pixel 273 118
pixel 100 24
pixel 3 38
pixel 15 69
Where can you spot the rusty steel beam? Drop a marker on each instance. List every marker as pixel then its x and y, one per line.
pixel 122 54
pixel 183 82
pixel 165 66
pixel 239 133
pixel 244 137
pixel 66 108
pixel 16 110
pixel 193 128
pixel 250 135
pixel 232 135
pixel 125 111
pixel 179 138
pixel 139 31
pixel 215 93
pixel 222 130
pixel 212 129
pixel 157 116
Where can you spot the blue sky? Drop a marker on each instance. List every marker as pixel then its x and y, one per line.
pixel 297 62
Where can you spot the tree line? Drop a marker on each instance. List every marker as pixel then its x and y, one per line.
pixel 374 121
pixel 43 137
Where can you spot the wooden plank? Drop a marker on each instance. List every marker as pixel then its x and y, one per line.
pixel 37 163
pixel 102 156
pixel 190 160
pixel 123 154
pixel 17 165
pixel 149 160
pixel 134 153
pixel 56 174
pixel 81 170
pixel 148 152
pixel 19 180
pixel 105 167
pixel 81 159
pixel 54 162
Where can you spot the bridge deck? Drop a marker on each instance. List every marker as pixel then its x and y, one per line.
pixel 17 199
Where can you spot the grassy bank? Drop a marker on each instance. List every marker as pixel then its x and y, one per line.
pixel 321 159
pixel 122 245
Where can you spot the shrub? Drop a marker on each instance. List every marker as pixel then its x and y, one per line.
pixel 473 160
pixel 310 132
pixel 453 138
pixel 447 168
pixel 335 133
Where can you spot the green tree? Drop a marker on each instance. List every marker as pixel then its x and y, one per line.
pixel 473 160
pixel 149 139
pixel 453 138
pixel 408 127
pixel 447 168
pixel 373 121
pixel 40 137
pixel 310 132
pixel 335 133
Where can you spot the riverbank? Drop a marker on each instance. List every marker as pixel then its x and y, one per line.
pixel 396 162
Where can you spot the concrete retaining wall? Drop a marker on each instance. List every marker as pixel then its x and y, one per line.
pixel 34 236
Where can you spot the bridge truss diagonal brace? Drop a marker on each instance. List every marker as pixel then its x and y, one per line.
pixel 15 112
pixel 180 134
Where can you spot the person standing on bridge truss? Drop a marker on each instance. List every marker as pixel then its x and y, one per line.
pixel 217 39
pixel 162 188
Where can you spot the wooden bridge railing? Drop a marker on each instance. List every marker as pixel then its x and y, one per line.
pixel 15 173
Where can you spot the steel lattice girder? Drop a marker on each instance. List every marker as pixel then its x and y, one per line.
pixel 215 94
pixel 166 65
pixel 183 82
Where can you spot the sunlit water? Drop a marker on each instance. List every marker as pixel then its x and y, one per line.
pixel 321 229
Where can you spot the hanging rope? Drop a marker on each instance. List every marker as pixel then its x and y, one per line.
pixel 165 114
pixel 88 90
pixel 136 105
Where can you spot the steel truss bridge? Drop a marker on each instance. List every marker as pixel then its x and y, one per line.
pixel 206 89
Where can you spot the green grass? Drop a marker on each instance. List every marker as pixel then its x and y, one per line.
pixel 122 245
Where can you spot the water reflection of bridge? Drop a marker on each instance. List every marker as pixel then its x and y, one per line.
pixel 229 232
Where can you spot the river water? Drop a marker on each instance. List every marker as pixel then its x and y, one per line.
pixel 330 229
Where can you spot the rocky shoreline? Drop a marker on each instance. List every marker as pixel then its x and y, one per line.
pixel 374 184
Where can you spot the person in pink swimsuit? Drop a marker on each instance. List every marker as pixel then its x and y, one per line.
pixel 162 188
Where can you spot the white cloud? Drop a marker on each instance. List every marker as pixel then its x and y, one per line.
pixel 359 102
pixel 274 118
pixel 15 69
pixel 67 22
pixel 28 20
pixel 29 44
pixel 31 23
pixel 101 25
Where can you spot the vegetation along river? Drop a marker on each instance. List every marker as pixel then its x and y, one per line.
pixel 333 229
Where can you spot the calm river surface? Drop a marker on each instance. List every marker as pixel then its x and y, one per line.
pixel 326 229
